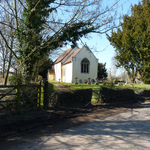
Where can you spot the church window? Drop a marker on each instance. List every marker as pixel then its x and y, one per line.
pixel 85 65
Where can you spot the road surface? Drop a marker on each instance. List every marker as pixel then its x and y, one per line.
pixel 125 131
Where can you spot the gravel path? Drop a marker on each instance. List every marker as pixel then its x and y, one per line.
pixel 125 131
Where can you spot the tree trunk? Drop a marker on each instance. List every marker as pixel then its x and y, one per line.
pixel 3 71
pixel 10 58
pixel 8 68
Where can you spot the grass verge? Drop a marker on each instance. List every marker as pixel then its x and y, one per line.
pixel 51 89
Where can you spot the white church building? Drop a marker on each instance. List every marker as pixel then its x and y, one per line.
pixel 72 63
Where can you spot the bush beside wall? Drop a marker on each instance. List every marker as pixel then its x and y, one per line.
pixel 143 92
pixel 70 98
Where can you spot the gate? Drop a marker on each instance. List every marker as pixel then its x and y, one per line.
pixel 15 98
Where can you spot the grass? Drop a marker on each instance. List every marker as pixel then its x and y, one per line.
pixel 73 86
pixel 96 88
pixel 79 86
pixel 135 87
pixel 51 89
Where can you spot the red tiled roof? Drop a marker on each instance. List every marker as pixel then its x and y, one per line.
pixel 70 58
pixel 62 56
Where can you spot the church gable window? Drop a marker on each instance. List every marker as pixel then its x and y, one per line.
pixel 85 65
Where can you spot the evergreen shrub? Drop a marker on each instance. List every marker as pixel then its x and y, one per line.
pixel 70 98
pixel 108 94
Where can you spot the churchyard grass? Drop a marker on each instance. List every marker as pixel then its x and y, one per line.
pixel 73 86
pixel 79 86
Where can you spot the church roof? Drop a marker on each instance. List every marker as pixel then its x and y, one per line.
pixel 70 58
pixel 68 53
pixel 63 55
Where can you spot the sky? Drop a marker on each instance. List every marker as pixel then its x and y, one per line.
pixel 102 44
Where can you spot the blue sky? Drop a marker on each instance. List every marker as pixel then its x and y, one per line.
pixel 101 42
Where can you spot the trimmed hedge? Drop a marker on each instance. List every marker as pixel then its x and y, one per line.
pixel 70 98
pixel 108 95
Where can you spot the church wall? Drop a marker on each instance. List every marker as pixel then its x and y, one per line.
pixel 67 73
pixel 57 68
pixel 50 74
pixel 84 53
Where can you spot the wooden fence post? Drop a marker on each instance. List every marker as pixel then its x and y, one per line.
pixel 40 94
pixel 45 102
pixel 18 99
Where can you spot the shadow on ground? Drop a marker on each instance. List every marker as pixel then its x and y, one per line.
pixel 54 120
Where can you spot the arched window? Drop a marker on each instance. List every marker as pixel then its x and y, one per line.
pixel 85 65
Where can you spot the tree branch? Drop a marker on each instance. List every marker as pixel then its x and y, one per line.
pixel 8 45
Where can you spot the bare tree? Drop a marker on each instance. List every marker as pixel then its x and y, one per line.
pixel 3 57
pixel 6 44
pixel 98 16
